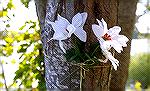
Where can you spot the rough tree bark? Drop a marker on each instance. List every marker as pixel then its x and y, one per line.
pixel 126 19
pixel 62 75
pixel 98 9
pixel 59 74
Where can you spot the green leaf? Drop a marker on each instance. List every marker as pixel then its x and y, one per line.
pixel 148 7
pixel 3 13
pixel 10 4
pixel 26 36
pixel 26 2
pixel 9 39
pixel 13 61
pixel 23 48
pixel 7 25
pixel 19 74
pixel 22 27
pixel 1 84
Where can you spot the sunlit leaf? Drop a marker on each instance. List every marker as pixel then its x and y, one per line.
pixel 25 2
pixel 10 4
pixel 30 61
pixel 148 7
pixel 22 27
pixel 3 13
pixel 8 50
pixel 7 25
pixel 1 84
pixel 26 36
pixel 8 39
pixel 23 48
pixel 19 74
pixel 13 61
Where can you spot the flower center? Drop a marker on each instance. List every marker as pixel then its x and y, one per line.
pixel 106 37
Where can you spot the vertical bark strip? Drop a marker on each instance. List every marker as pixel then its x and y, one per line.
pixel 59 74
pixel 97 79
pixel 126 19
pixel 41 11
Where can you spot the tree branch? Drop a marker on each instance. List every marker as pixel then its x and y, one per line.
pixel 3 75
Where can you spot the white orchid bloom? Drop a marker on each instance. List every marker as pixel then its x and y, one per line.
pixel 105 46
pixel 109 38
pixel 112 35
pixel 63 29
pixel 109 56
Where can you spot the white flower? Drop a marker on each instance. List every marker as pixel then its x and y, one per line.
pixel 105 46
pixel 109 56
pixel 63 29
pixel 109 38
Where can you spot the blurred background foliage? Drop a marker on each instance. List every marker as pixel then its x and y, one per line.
pixel 26 41
pixel 140 69
pixel 4 10
pixel 25 2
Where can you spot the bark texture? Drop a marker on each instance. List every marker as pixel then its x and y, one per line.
pixel 59 74
pixel 97 79
pixel 126 19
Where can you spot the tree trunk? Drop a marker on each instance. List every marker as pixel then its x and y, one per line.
pixel 97 79
pixel 126 19
pixel 61 75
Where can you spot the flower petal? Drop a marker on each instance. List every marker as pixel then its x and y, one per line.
pixel 105 45
pixel 115 64
pixel 81 34
pixel 114 31
pixel 59 36
pixel 61 46
pixel 61 21
pixel 71 30
pixel 100 23
pixel 77 20
pixel 59 32
pixel 98 31
pixel 116 45
pixel 84 17
pixel 104 26
pixel 109 56
pixel 124 38
pixel 121 39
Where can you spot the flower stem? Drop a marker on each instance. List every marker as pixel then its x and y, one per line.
pixel 95 50
pixel 81 76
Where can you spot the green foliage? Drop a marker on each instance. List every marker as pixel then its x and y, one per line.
pixel 146 35
pixel 1 83
pixel 31 66
pixel 140 69
pixel 79 55
pixel 4 11
pixel 26 42
pixel 148 7
pixel 25 2
pixel 10 4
